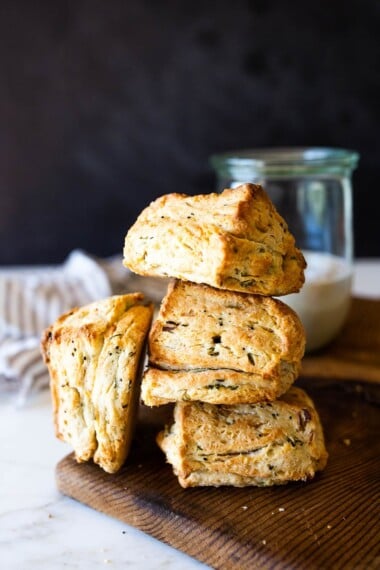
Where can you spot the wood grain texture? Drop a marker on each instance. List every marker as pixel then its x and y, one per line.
pixel 331 522
pixel 355 353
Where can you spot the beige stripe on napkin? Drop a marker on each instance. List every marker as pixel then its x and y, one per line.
pixel 30 301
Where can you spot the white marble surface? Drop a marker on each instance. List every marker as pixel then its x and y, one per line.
pixel 40 529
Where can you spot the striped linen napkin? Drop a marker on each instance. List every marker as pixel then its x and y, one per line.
pixel 31 299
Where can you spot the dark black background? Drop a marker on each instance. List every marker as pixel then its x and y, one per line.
pixel 104 105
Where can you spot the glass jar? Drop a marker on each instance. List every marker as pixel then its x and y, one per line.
pixel 311 188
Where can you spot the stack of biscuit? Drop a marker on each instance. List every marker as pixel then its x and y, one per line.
pixel 222 348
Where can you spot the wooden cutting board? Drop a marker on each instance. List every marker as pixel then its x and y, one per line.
pixel 332 522
pixel 355 353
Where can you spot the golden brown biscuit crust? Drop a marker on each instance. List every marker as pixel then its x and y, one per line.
pixel 221 347
pixel 93 355
pixel 248 444
pixel 235 240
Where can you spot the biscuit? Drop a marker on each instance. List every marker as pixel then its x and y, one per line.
pixel 235 240
pixel 221 347
pixel 260 444
pixel 93 355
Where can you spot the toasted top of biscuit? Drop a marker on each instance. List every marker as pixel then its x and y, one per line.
pixel 234 240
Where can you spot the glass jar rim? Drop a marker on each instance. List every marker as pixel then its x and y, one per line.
pixel 273 160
